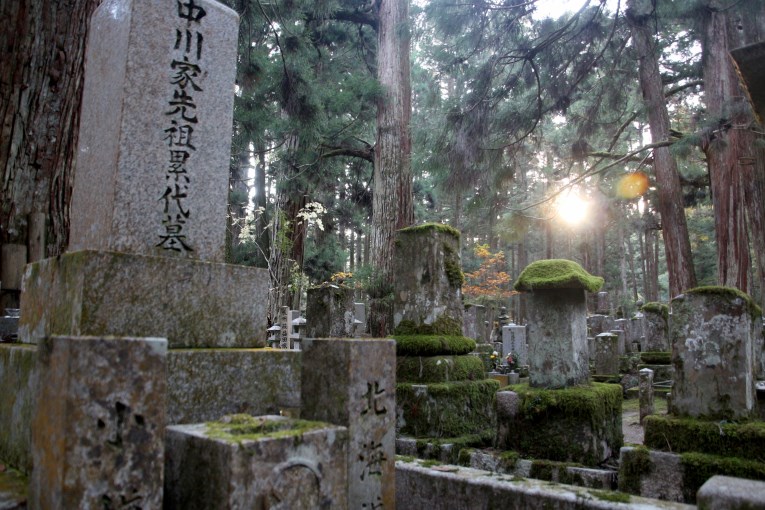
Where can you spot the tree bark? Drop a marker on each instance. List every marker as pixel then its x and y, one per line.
pixel 41 77
pixel 392 202
pixel 671 207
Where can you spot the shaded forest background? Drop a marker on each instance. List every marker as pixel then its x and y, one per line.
pixel 634 109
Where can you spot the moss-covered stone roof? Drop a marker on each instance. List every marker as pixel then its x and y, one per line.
pixel 556 274
pixel 438 227
pixel 657 308
pixel 731 293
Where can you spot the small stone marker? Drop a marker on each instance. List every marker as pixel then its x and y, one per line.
pixel 557 326
pixel 514 340
pixel 329 312
pixel 603 306
pixel 257 462
pixel 598 324
pixel 155 135
pixel 712 334
pixel 646 392
pixel 98 429
pixel 352 383
pixel 359 319
pixel 656 327
pixel 622 340
pixel 607 354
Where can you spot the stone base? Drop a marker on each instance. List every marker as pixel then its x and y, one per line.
pixel 581 424
pixel 18 389
pixel 706 436
pixel 446 409
pixel 678 477
pixel 429 369
pixel 189 302
pixel 260 462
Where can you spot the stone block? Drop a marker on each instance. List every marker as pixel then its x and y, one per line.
pixel 98 427
pixel 728 493
pixel 191 303
pixel 207 384
pixel 13 258
pixel 18 389
pixel 329 312
pixel 656 328
pixel 712 335
pixel 646 392
pixel 428 282
pixel 155 130
pixel 352 383
pixel 714 437
pixel 589 417
pixel 9 329
pixel 557 338
pixel 256 462
pixel 606 354
pixel 597 324
pixel 603 304
pixel 430 369
pixel 514 340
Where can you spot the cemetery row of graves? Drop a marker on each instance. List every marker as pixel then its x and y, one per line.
pixel 134 378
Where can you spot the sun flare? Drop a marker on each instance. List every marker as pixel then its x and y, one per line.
pixel 571 208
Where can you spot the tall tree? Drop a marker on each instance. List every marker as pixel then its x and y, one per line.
pixel 392 206
pixel 641 17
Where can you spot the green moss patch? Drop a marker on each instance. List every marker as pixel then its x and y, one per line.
pixel 656 358
pixel 699 467
pixel 243 427
pixel 433 345
pixel 657 308
pixel 434 227
pixel 746 440
pixel 729 293
pixel 635 463
pixel 427 369
pixel 554 471
pixel 589 417
pixel 556 274
pixel 442 326
pixel 446 409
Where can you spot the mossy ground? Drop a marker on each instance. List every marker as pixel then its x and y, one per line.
pixel 556 274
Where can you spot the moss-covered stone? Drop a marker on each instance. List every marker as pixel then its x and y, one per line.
pixel 699 467
pixel 446 409
pixel 437 227
pixel 428 369
pixel 589 417
pixel 657 308
pixel 728 292
pixel 556 274
pixel 244 427
pixel 432 345
pixel 656 358
pixel 746 440
pixel 18 389
pixel 553 471
pixel 635 463
pixel 442 326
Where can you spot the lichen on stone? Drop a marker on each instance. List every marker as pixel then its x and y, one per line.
pixel 556 274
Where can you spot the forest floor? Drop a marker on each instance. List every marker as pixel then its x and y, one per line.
pixel 631 428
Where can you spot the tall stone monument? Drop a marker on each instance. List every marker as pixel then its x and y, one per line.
pixel 149 200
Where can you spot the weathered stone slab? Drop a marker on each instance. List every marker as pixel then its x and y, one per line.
pixel 18 389
pixel 557 338
pixel 656 327
pixel 597 324
pixel 352 383
pixel 474 323
pixel 728 493
pixel 98 428
pixel 514 340
pixel 712 335
pixel 155 131
pixel 428 281
pixel 191 303
pixel 13 258
pixel 207 384
pixel 329 312
pixel 602 304
pixel 646 392
pixel 256 462
pixel 606 354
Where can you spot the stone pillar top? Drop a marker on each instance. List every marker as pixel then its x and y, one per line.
pixel 554 274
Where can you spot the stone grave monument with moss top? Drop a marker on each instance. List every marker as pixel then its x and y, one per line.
pixel 712 426
pixel 656 337
pixel 441 389
pixel 559 401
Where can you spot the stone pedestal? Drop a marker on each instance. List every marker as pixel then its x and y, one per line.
pixel 474 323
pixel 191 303
pixel 712 335
pixel 514 340
pixel 329 312
pixel 597 324
pixel 98 429
pixel 352 383
pixel 646 392
pixel 256 462
pixel 155 131
pixel 557 337
pixel 428 279
pixel 606 354
pixel 656 328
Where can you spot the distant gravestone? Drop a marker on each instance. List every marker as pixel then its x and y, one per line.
pixel 329 312
pixel 351 383
pixel 712 334
pixel 597 324
pixel 602 306
pixel 98 429
pixel 155 135
pixel 645 387
pixel 656 328
pixel 514 340
pixel 606 354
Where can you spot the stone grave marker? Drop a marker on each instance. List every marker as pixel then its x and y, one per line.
pixel 351 383
pixel 329 312
pixel 155 135
pixel 359 319
pixel 98 429
pixel 514 340
pixel 606 354
pixel 656 327
pixel 645 386
pixel 712 334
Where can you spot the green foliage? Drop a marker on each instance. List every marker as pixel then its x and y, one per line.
pixel 556 274
pixel 432 345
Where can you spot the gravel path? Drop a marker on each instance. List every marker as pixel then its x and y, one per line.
pixel 633 431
